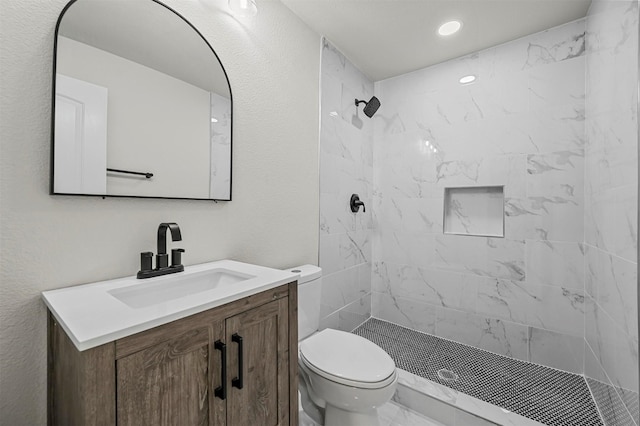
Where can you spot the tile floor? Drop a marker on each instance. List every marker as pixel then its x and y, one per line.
pixel 546 395
pixel 390 414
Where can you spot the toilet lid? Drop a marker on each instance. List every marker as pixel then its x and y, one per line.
pixel 347 356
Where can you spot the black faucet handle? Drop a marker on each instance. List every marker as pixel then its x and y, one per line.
pixel 176 256
pixel 146 261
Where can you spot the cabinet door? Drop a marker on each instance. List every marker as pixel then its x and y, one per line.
pixel 264 397
pixel 172 383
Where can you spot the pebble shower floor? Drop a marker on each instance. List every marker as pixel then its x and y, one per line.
pixel 549 396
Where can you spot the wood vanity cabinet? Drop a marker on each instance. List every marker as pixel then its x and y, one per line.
pixel 174 374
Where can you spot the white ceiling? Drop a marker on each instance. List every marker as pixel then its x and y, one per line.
pixel 385 38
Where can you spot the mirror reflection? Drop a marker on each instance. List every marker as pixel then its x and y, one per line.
pixel 142 105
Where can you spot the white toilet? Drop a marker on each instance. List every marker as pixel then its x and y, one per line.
pixel 344 378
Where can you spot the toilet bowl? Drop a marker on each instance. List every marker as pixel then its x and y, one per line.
pixel 344 378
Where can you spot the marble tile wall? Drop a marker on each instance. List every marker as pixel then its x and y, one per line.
pixel 346 167
pixel 611 200
pixel 220 174
pixel 521 125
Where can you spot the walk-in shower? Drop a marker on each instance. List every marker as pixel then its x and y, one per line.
pixel 550 298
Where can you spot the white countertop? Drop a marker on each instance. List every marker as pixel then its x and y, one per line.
pixel 92 316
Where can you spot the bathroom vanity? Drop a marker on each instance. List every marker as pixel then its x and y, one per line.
pixel 220 351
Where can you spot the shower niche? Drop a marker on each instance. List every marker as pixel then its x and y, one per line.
pixel 476 210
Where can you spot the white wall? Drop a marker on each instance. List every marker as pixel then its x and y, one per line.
pixel 49 242
pixel 155 123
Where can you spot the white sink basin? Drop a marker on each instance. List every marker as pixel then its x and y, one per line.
pixel 152 293
pixel 102 312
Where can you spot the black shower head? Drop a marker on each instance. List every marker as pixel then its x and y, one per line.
pixel 370 107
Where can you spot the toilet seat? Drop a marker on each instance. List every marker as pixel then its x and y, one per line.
pixel 348 359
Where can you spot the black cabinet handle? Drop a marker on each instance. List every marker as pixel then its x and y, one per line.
pixel 221 391
pixel 237 382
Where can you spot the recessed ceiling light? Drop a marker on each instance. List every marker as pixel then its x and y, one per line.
pixel 214 120
pixel 449 28
pixel 467 79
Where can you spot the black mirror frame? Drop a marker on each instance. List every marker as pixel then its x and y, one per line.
pixel 53 115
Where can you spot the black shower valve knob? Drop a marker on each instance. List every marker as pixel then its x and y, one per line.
pixel 355 204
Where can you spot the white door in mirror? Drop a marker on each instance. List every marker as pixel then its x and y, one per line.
pixel 80 157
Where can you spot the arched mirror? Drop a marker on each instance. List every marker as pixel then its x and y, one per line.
pixel 142 105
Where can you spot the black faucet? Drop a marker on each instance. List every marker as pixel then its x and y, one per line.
pixel 162 259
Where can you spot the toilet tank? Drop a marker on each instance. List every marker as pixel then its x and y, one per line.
pixel 309 287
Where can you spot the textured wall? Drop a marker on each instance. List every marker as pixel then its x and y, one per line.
pixel 611 200
pixel 521 125
pixel 346 160
pixel 51 242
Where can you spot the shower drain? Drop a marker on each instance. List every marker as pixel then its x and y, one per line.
pixel 447 375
